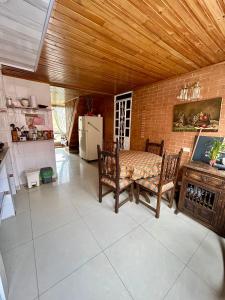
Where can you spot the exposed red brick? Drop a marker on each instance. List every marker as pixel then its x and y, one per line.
pixel 153 108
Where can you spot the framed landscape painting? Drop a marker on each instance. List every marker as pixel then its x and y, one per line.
pixel 197 115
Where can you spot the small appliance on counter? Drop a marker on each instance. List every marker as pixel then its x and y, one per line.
pixel 33 102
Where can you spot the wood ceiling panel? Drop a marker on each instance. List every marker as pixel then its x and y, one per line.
pixel 111 46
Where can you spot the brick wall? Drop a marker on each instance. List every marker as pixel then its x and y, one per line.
pixel 152 108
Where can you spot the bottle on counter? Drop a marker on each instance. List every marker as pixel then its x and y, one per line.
pixel 14 133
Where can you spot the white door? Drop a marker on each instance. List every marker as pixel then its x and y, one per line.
pixel 122 119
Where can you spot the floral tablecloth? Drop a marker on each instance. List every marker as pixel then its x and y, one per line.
pixel 139 164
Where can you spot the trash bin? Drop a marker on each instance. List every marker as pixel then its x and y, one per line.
pixel 32 178
pixel 46 174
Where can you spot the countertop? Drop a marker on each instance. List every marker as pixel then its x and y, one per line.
pixel 203 167
pixel 3 154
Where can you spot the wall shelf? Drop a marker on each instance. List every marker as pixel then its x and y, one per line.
pixel 31 141
pixel 29 108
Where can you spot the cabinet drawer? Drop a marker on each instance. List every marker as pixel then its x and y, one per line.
pixel 205 179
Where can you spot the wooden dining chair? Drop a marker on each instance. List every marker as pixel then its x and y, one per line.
pixel 154 147
pixel 109 175
pixel 111 145
pixel 164 183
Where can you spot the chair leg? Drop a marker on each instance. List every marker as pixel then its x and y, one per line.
pixel 131 192
pixel 159 196
pixel 100 192
pixel 138 193
pixel 117 202
pixel 171 198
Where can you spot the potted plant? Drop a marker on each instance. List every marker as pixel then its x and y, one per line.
pixel 217 147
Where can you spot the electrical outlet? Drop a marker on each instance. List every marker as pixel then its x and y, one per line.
pixel 186 149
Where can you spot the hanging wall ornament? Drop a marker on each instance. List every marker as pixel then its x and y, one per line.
pixel 181 95
pixel 196 91
pixel 185 93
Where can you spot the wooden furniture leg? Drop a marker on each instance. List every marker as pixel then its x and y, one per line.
pixel 138 193
pixel 100 192
pixel 159 196
pixel 171 198
pixel 117 202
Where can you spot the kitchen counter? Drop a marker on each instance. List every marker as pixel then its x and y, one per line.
pixel 3 153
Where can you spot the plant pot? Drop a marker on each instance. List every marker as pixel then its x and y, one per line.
pixel 212 162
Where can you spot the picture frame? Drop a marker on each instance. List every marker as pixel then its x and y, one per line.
pixel 194 116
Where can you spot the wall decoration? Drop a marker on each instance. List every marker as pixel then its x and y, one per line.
pixel 197 115
pixel 33 120
pixel 190 92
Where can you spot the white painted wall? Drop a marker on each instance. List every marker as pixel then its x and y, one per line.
pixel 26 155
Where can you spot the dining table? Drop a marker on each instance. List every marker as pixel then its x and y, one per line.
pixel 139 164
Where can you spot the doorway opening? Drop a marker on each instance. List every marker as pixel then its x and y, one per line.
pixel 58 116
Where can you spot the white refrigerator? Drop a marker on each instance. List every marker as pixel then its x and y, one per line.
pixel 90 135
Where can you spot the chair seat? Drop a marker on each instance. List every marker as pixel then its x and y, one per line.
pixel 123 182
pixel 152 184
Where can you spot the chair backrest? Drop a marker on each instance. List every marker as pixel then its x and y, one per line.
pixel 154 147
pixel 111 146
pixel 170 168
pixel 108 164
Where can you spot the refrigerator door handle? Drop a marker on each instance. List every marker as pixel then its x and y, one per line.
pixel 94 127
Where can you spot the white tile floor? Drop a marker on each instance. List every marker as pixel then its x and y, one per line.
pixel 63 244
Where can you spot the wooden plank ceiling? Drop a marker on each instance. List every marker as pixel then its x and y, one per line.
pixel 111 46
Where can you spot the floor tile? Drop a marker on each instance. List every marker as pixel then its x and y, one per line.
pixel 107 226
pixel 48 197
pixel 65 211
pixel 208 262
pixel 46 219
pixel 146 267
pixel 60 252
pixel 96 280
pixel 190 286
pixel 21 275
pixel 15 231
pixel 176 234
pixel 138 212
pixel 85 202
pixel 21 200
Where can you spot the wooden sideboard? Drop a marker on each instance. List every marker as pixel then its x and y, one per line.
pixel 202 195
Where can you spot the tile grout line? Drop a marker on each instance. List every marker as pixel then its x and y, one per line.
pixel 68 275
pixel 114 269
pixel 187 267
pixel 103 252
pixel 173 284
pixel 207 233
pixel 103 249
pixel 185 263
pixel 35 262
pixel 79 267
pixel 194 270
pixel 164 246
